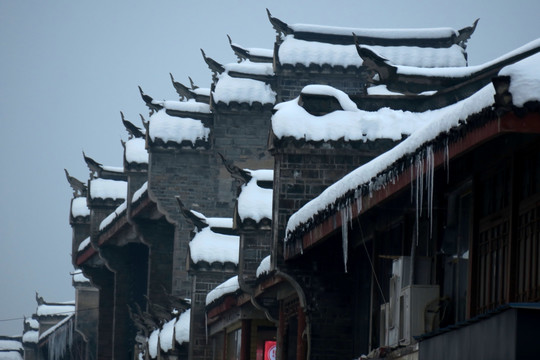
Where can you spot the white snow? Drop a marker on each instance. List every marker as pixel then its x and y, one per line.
pixel 293 51
pixel 214 221
pixel 11 345
pixel 381 90
pixel 110 218
pixel 202 91
pixel 79 207
pixel 153 341
pixel 213 247
pixel 62 309
pixel 10 355
pixel 56 326
pixel 79 277
pixel 346 103
pixel 181 329
pixel 435 122
pixel 136 151
pixel 31 336
pixel 423 33
pixel 33 323
pixel 137 195
pixel 166 335
pixel 84 244
pixel 229 89
pixel 188 106
pixel 116 169
pixel 176 129
pixel 226 287
pixel 264 266
pixel 249 67
pixel 108 189
pixel 467 70
pixel 525 79
pixel 256 51
pixel 255 202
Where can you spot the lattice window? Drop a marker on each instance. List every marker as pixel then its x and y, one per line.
pixel 528 287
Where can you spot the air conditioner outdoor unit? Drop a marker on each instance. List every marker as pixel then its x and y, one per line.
pixel 404 315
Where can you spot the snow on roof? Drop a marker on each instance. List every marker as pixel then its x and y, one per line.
pixel 108 189
pixel 214 247
pixel 351 124
pixel 293 51
pixel 176 129
pixel 31 336
pixel 202 91
pixel 137 195
pixel 249 67
pixel 525 79
pixel 461 71
pixel 116 169
pixel 264 266
pixel 269 53
pixel 79 207
pixel 84 244
pixel 57 309
pixel 224 288
pixel 188 106
pixel 255 202
pixel 181 329
pixel 153 341
pixel 426 33
pixel 33 323
pixel 56 326
pixel 116 213
pixel 229 89
pixel 10 355
pixel 10 345
pixel 79 277
pixel 136 151
pixel 218 222
pixel 166 335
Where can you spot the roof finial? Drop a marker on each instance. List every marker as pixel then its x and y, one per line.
pixel 214 66
pixel 193 86
pixel 79 188
pixel 278 25
pixel 94 167
pixel 150 102
pixel 466 33
pixel 133 130
pixel 191 217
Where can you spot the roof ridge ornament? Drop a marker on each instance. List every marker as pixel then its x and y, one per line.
pixel 465 34
pixel 94 167
pixel 134 131
pixel 79 188
pixel 149 101
pixel 182 90
pixel 239 174
pixel 375 62
pixel 198 222
pixel 278 25
pixel 214 66
pixel 193 86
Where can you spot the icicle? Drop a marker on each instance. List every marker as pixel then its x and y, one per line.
pixel 345 221
pixel 430 164
pixel 447 160
pixel 206 326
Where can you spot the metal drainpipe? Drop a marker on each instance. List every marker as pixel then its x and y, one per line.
pixel 302 299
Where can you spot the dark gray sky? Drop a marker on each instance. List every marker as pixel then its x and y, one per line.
pixel 67 68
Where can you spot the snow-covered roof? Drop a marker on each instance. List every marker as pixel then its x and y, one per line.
pixel 227 287
pixel 229 89
pixel 10 355
pixel 264 267
pixel 255 202
pixel 108 189
pixel 8 344
pixel 139 193
pixel 78 277
pixel 189 105
pixel 84 244
pixel 294 51
pixel 166 335
pixel 120 210
pixel 181 328
pixel 56 309
pixel 249 67
pixel 526 78
pixel 136 151
pixel 176 129
pixel 32 323
pixel 211 246
pixel 153 344
pixel 350 124
pixel 57 326
pixel 79 207
pixel 31 336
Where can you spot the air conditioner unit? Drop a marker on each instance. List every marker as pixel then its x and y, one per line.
pixel 404 315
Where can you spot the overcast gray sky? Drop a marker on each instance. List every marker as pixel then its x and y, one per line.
pixel 67 68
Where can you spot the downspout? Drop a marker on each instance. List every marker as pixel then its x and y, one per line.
pixel 249 290
pixel 303 304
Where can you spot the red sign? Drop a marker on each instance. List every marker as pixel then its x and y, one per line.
pixel 269 350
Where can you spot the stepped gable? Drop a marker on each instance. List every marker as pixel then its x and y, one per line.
pixel 79 211
pixel 514 89
pixel 458 82
pixel 244 84
pixel 315 47
pixel 256 55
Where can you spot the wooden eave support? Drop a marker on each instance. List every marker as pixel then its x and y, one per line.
pixel 508 123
